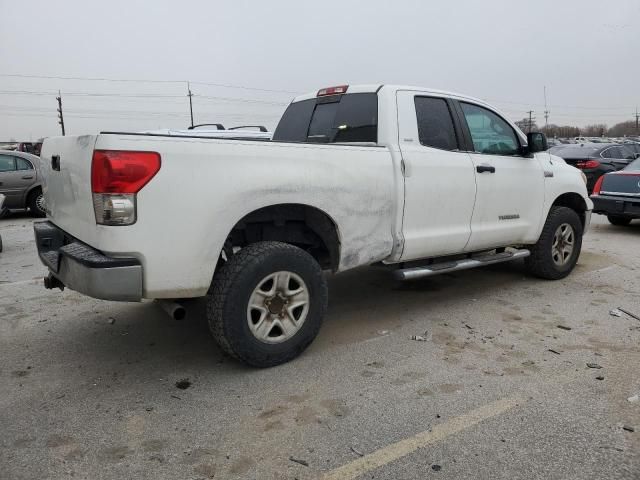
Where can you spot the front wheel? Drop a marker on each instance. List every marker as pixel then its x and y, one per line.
pixel 619 220
pixel 556 253
pixel 267 303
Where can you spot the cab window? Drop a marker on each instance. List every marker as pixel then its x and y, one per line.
pixel 435 124
pixel 489 132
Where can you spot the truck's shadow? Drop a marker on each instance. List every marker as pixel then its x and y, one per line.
pixel 140 340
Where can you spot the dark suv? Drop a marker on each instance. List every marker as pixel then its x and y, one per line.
pixel 21 182
pixel 595 159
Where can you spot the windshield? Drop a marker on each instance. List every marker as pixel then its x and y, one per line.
pixel 339 118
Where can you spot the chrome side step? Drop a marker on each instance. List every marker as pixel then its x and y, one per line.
pixel 445 267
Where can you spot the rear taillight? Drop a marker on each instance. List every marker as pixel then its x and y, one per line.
pixel 116 177
pixel 588 164
pixel 598 186
pixel 333 90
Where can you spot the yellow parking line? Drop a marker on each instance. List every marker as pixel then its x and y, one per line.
pixel 404 447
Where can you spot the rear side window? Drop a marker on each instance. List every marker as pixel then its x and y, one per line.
pixel 345 118
pixel 7 164
pixel 23 164
pixel 490 133
pixel 634 166
pixel 435 124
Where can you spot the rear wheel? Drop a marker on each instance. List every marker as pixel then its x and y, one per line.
pixel 619 220
pixel 556 253
pixel 267 303
pixel 36 203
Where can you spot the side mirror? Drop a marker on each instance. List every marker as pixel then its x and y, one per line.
pixel 537 142
pixel 636 155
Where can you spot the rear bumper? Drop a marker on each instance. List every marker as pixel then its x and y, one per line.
pixel 613 205
pixel 85 269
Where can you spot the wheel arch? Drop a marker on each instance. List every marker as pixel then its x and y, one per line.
pixel 302 225
pixel 33 188
pixel 574 201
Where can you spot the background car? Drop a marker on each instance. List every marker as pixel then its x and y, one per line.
pixel 21 182
pixel 617 195
pixel 595 159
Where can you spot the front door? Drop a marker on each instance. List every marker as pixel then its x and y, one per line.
pixel 510 185
pixel 440 185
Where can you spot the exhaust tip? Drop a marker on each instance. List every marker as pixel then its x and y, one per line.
pixel 173 309
pixel 179 313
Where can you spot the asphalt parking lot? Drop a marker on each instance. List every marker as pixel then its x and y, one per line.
pixel 509 377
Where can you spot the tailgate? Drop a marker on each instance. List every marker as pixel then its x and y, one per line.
pixel 66 170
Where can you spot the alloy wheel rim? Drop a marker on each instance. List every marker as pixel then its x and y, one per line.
pixel 563 244
pixel 278 307
pixel 40 202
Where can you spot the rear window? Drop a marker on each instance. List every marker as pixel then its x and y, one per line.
pixel 577 151
pixel 345 118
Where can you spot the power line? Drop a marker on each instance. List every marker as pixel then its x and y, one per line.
pixel 131 80
pixel 140 95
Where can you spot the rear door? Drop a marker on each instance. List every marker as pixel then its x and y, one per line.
pixel 16 176
pixel 510 193
pixel 440 187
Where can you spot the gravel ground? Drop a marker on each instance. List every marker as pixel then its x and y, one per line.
pixel 496 389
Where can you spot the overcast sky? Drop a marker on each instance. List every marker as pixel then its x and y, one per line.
pixel 586 52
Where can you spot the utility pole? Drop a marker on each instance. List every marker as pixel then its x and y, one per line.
pixel 530 112
pixel 190 95
pixel 546 110
pixel 637 118
pixel 60 117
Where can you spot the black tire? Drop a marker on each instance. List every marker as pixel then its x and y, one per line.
pixel 230 293
pixel 619 220
pixel 34 202
pixel 540 263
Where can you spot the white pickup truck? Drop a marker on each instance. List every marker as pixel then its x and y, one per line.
pixel 415 180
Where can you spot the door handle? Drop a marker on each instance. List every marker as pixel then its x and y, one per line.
pixel 27 177
pixel 485 168
pixel 55 162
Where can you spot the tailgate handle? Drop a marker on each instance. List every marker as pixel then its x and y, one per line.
pixel 55 162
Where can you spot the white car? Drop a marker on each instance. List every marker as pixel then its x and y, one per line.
pixel 420 181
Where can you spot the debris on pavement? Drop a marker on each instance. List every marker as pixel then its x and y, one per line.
pixel 633 398
pixel 632 315
pixel 563 327
pixel 183 384
pixel 599 377
pixel 628 428
pixel 435 467
pixel 593 365
pixel 301 462
pixel 111 320
pixel 383 332
pixel 357 452
pixel 553 351
pixel 615 313
pixel 419 338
